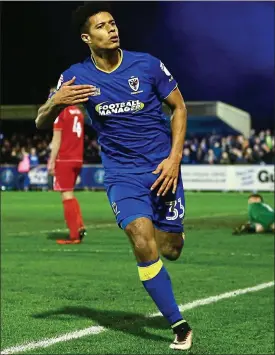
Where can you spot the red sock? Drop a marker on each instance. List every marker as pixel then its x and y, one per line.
pixel 70 214
pixel 78 215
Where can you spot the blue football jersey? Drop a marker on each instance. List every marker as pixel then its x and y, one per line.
pixel 126 110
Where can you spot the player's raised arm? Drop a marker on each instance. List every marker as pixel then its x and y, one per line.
pixel 67 95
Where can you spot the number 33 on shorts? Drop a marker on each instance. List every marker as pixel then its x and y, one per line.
pixel 176 209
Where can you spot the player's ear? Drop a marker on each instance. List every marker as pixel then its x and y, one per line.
pixel 86 38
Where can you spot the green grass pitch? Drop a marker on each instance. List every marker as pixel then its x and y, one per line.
pixel 49 290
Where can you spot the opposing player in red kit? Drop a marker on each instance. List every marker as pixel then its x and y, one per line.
pixel 65 165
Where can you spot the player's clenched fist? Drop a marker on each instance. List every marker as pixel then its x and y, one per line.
pixel 70 94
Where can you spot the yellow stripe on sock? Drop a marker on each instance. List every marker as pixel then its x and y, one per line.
pixel 178 323
pixel 149 272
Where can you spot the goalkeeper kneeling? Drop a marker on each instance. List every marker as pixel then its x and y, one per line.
pixel 260 215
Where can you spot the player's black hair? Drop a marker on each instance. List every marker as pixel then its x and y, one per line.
pixel 257 196
pixel 81 15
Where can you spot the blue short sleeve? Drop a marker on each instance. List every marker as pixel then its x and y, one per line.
pixel 163 80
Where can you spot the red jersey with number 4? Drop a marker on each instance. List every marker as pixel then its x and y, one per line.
pixel 71 123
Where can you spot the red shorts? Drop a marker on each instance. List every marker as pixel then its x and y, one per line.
pixel 66 174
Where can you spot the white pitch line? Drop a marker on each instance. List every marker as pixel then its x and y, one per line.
pixel 222 296
pixel 98 329
pixel 111 225
pixel 48 342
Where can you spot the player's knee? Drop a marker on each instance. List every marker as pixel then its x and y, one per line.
pixel 145 247
pixel 132 229
pixel 142 239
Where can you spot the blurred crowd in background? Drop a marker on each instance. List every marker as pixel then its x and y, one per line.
pixel 38 149
pixel 259 148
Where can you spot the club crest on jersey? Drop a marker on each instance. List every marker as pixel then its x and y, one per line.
pixel 134 83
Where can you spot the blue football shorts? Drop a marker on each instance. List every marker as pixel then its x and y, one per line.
pixel 130 197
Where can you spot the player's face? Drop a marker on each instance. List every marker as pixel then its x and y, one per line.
pixel 102 33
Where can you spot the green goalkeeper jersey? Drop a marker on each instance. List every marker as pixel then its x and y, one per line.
pixel 261 213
